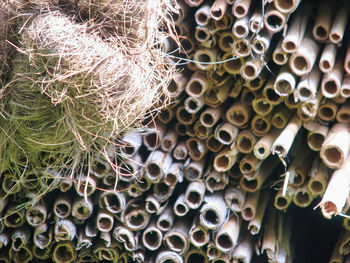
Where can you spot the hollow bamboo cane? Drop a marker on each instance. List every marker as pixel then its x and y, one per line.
pixel 238 114
pixel 180 207
pixel 24 255
pixel 216 181
pixel 197 149
pixel 307 87
pixel 302 196
pixel 343 115
pixel 177 238
pixel 166 219
pixel 218 9
pixel 256 22
pixel 212 251
pixel 249 164
pixel 205 58
pixel 113 201
pixel 65 185
pixel 299 168
pixel 102 252
pixel 199 235
pixel 327 59
pixel 202 15
pixel 318 178
pixel 262 148
pixel 86 255
pixel 9 185
pixel 154 135
pixel 339 23
pixel 213 211
pixel 252 68
pixel 180 151
pixel 83 240
pixel 285 82
pixel 250 205
pixel 242 47
pixel 134 215
pixel 257 83
pixel 279 56
pixel 210 116
pixel 345 87
pixel 225 159
pixel 152 237
pixel 253 183
pixel 64 252
pixel 336 147
pixel 65 229
pixel 225 42
pixel 194 170
pixel 157 165
pixel 261 42
pixel 291 101
pixel 169 140
pixel 173 175
pixel 261 125
pixel 42 254
pixel 247 97
pixel 224 23
pixel 274 20
pixel 226 133
pixel 270 93
pixel 213 144
pixel 337 191
pixel 37 214
pixel 240 8
pixel 82 208
pixel 285 140
pixel 86 185
pixel 323 22
pixel 327 110
pixel 194 194
pixel 233 63
pixel 269 240
pixel 14 217
pixel 178 84
pixel 126 237
pixel 282 200
pixel 194 104
pixel 317 134
pixel 261 105
pixel 215 96
pixel 295 32
pixel 42 236
pixel 20 238
pixel 243 252
pixel 234 197
pixel 331 82
pixel 227 237
pixel 245 141
pixel 161 193
pixel 166 255
pixel 286 6
pixel 196 255
pixel 100 166
pixel 240 27
pixel 166 115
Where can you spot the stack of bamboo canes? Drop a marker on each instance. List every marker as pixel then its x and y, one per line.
pixel 258 118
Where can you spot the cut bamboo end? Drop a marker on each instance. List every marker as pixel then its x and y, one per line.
pixel 295 33
pixel 250 205
pixel 196 255
pixel 307 88
pixel 331 83
pixel 64 230
pixel 323 22
pixel 157 165
pixel 336 146
pixel 243 252
pixel 261 42
pixel 232 64
pixel 25 255
pixel 282 201
pixel 212 251
pixel 194 171
pixel 166 115
pixel 227 237
pixel 205 58
pixel 240 8
pixel 169 141
pixel 199 235
pixel 327 59
pixel 226 133
pixel 165 256
pixel 213 211
pixel 134 216
pixel 274 20
pixel 316 136
pixel 202 15
pixel 210 116
pixel 345 88
pixel 270 94
pixel 262 106
pixel 262 148
pixel 238 114
pixel 224 23
pixel 218 9
pixel 249 164
pixel 216 96
pixel 165 220
pixel 261 125
pixel 318 178
pixel 194 194
pixel 196 148
pixel 36 215
pixel 113 201
pixel 284 83
pixel 327 110
pixel 225 42
pixel 216 181
pixel 224 160
pixel 234 198
pixel 286 6
pixel 245 141
pixel 252 68
pixel 240 28
pixel 64 252
pixel 242 47
pixel 42 236
pixel 302 197
pixel 180 207
pixel 343 114
pixel 180 151
pixel 256 21
pixel 197 85
pixel 152 238
pixel 339 24
pixel 177 238
pixel 14 217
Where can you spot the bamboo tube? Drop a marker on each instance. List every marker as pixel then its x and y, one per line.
pixel 316 136
pixel 20 238
pixel 300 166
pixel 157 165
pixel 249 164
pixel 37 214
pixel 318 178
pixel 238 114
pixel 203 34
pixel 193 104
pixel 270 94
pixel 343 115
pixel 274 20
pixel 177 84
pixel 51 180
pixel 232 63
pixel 9 185
pixel 102 252
pixel 213 211
pixel 83 240
pixel 82 208
pixel 224 23
pixel 285 82
pixel 323 22
pixel 152 237
pixel 337 191
pixel 307 87
pixel 210 116
pixel 165 256
pixel 202 15
pixel 331 82
pixel 134 215
pixel 240 8
pixel 86 255
pixel 126 237
pixel 261 105
pixel 242 47
pixel 173 175
pixel 169 140
pixel 245 141
pixel 269 240
pixel 154 200
pixel 165 220
pixel 252 68
pixel 65 185
pixel 261 42
pixel 100 167
pixel 199 235
pixel 86 185
pixel 339 23
pixel 295 32
pixel 282 200
pixel 302 196
pixel 212 251
pixel 247 97
pixel 213 144
pixel 31 181
pixel 190 130
pixel 177 238
pixel 256 22
pixel 180 207
pixel 243 252
pixel 113 201
pixel 227 237
pixel 285 140
pixel 252 184
pixel 42 254
pixel 279 56
pixel 257 83
pixel 225 42
pixel 327 110
pixel 226 133
pixel 205 58
pixel 14 217
pixel 225 159
pixel 42 236
pixel 256 222
pixel 187 45
pixel 218 9
pixel 336 146
pixel 64 252
pixel 196 148
pixel 132 142
pixel 250 205
pixel 234 197
pixel 194 170
pixel 216 181
pixel 64 230
pixel 180 151
pixel 261 125
pixel 303 60
pixel 4 239
pixel 218 78
pixel 240 28
pixel 196 255
pixel 24 255
pixel 154 135
pixel 215 96
pixel 286 6
pixel 197 85
pixel 291 101
pixel 345 88
pixel 262 148
pixel 194 194
pixel 327 59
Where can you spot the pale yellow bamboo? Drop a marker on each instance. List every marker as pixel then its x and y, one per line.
pixel 317 134
pixel 323 22
pixel 339 23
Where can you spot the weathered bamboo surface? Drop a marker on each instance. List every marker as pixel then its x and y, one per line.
pixel 258 119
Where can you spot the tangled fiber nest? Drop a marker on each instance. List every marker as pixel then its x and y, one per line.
pixel 78 85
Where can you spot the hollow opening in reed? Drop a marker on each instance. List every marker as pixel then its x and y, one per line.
pixel 300 63
pixel 164 115
pixel 128 149
pixel 195 87
pixel 285 4
pixel 280 58
pixel 153 170
pixel 213 252
pixel 35 216
pixel 272 95
pixel 283 87
pixel 180 129
pixel 247 168
pixel 198 235
pixel 239 10
pixel 62 209
pixel 251 185
pixel 316 187
pixel 213 144
pixel 99 168
pixel 321 32
pixel 281 202
pixel 335 37
pixel 202 35
pixel 167 144
pixel 150 207
pixel 194 197
pixel 260 125
pixel 162 189
pixel 211 217
pixel 172 87
pixel 185 116
pixel 240 31
pixel 326 112
pixel 305 92
pixel 225 241
pixel 151 139
pixel 333 155
pixel 164 224
pixel 13 220
pixel 261 151
pixel 180 209
pixel 38 252
pixel 187 45
pixel 249 71
pixel 259 47
pixel 31 181
pixel 202 18
pixel 170 179
pixel 222 161
pixel 225 136
pixel 274 21
pixel 153 238
pixel 303 198
pixel 192 104
pixel 135 220
pixel 196 258
pixel 227 42
pixel 244 144
pixel 241 48
pixel 238 117
pixel 345 117
pixel 176 242
pixel 331 87
pixel 233 65
pixel 17 243
pixel 208 119
pixel 248 213
pixel 298 179
pixel 278 121
pixel 325 65
pixel 256 83
pixel 203 59
pixel 262 106
pixel 63 253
